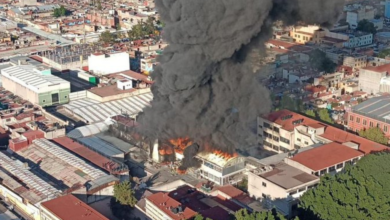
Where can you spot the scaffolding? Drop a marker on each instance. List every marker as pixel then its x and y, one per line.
pixel 70 53
pixel 69 158
pixel 33 182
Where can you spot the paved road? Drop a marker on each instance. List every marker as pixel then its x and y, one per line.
pixel 22 51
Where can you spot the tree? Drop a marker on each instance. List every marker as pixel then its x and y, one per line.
pixel 243 185
pixel 359 193
pixel 366 26
pixel 384 53
pixel 324 116
pixel 124 194
pixel 106 37
pixel 243 214
pixel 321 62
pixel 374 134
pixel 310 113
pixel 99 5
pixel 200 217
pixel 58 12
pixel 287 103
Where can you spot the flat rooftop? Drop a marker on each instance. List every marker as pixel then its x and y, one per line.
pixel 111 90
pixel 325 156
pixel 288 177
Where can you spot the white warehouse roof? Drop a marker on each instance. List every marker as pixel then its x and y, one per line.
pixel 90 130
pixel 30 77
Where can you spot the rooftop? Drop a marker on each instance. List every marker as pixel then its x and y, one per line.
pixel 376 108
pixel 379 69
pixel 65 169
pixel 27 76
pixel 166 204
pixel 110 90
pixel 21 180
pixel 128 74
pixel 288 177
pixel 325 156
pixel 71 208
pixel 94 111
pixel 88 154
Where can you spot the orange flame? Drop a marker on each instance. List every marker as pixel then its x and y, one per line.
pixel 180 171
pixel 165 150
pixel 225 155
pixel 180 144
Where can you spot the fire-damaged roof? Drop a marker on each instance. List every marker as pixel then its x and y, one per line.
pixel 217 159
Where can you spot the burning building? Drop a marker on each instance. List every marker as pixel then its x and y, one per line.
pixel 221 168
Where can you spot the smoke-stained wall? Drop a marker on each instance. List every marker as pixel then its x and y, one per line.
pixel 204 87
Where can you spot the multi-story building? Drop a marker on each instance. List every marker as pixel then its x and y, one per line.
pixel 220 169
pixel 364 12
pixel 59 209
pixel 36 85
pixel 370 78
pixel 356 61
pixel 359 39
pixel 284 178
pixel 280 186
pixel 284 131
pixel 374 112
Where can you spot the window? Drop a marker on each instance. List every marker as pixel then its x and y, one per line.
pixel 292 193
pixel 276 129
pixel 260 126
pixel 339 166
pixel 284 140
pixel 371 124
pixel 260 135
pixel 263 195
pixel 43 100
pixel 357 120
pixel 276 139
pixel 285 150
pixel 266 125
pixel 306 142
pixel 331 169
pixel 385 128
pixel 351 118
pixel 378 125
pixel 66 96
pixel 364 122
pixel 264 184
pixel 322 172
pixel 298 139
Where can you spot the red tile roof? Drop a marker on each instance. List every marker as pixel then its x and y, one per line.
pixel 164 203
pixel 131 74
pixel 230 191
pixel 71 208
pixel 330 133
pixel 325 156
pixel 379 69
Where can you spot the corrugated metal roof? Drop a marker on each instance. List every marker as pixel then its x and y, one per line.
pixel 101 146
pixel 89 130
pixel 94 111
pixel 29 77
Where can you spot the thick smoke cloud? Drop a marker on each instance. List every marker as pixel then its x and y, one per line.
pixel 204 88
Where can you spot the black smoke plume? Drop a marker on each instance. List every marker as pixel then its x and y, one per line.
pixel 204 88
pixel 189 159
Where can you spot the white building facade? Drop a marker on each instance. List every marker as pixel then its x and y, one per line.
pixel 104 64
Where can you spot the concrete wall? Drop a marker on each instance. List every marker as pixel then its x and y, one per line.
pixel 45 99
pixel 369 81
pixel 19 90
pixel 100 64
